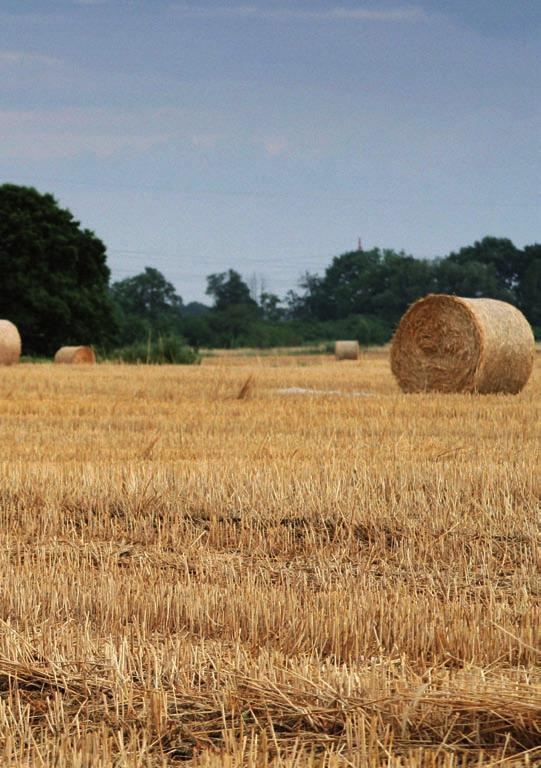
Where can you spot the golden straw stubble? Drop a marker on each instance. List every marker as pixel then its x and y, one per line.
pixel 10 343
pixel 74 355
pixel 453 344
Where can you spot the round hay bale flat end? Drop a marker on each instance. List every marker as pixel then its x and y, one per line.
pixel 75 355
pixel 10 343
pixel 451 344
pixel 346 350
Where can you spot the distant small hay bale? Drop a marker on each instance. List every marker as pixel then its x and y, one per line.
pixel 346 350
pixel 10 343
pixel 75 355
pixel 450 344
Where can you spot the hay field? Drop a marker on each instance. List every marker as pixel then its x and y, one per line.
pixel 289 579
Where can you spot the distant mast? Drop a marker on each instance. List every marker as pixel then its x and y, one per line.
pixel 359 244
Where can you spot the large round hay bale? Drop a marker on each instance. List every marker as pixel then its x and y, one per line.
pixel 449 344
pixel 73 355
pixel 346 350
pixel 10 343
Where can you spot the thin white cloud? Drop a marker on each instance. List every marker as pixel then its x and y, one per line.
pixel 408 13
pixel 66 132
pixel 18 58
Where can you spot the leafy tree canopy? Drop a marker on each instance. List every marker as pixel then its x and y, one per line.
pixel 148 305
pixel 508 262
pixel 371 282
pixel 382 283
pixel 148 294
pixel 54 274
pixel 529 289
pixel 269 304
pixel 195 309
pixel 229 289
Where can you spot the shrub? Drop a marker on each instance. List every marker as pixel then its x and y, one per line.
pixel 167 350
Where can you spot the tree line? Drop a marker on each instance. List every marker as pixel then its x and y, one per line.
pixel 56 287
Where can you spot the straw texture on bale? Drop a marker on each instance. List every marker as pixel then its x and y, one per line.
pixel 75 355
pixel 346 350
pixel 450 344
pixel 10 343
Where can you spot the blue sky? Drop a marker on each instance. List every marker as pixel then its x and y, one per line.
pixel 268 136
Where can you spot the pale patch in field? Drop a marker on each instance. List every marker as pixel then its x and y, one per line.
pixel 335 392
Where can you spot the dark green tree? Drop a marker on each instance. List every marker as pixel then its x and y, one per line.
pixel 55 277
pixel 506 260
pixel 148 294
pixel 368 283
pixel 234 309
pixel 229 289
pixel 195 309
pixel 270 307
pixel 349 284
pixel 402 280
pixel 529 289
pixel 473 279
pixel 148 304
pixel 198 332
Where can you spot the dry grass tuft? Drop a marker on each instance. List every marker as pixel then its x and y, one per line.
pixel 247 388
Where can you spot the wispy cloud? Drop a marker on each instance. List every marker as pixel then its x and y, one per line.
pixel 66 132
pixel 18 58
pixel 408 13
